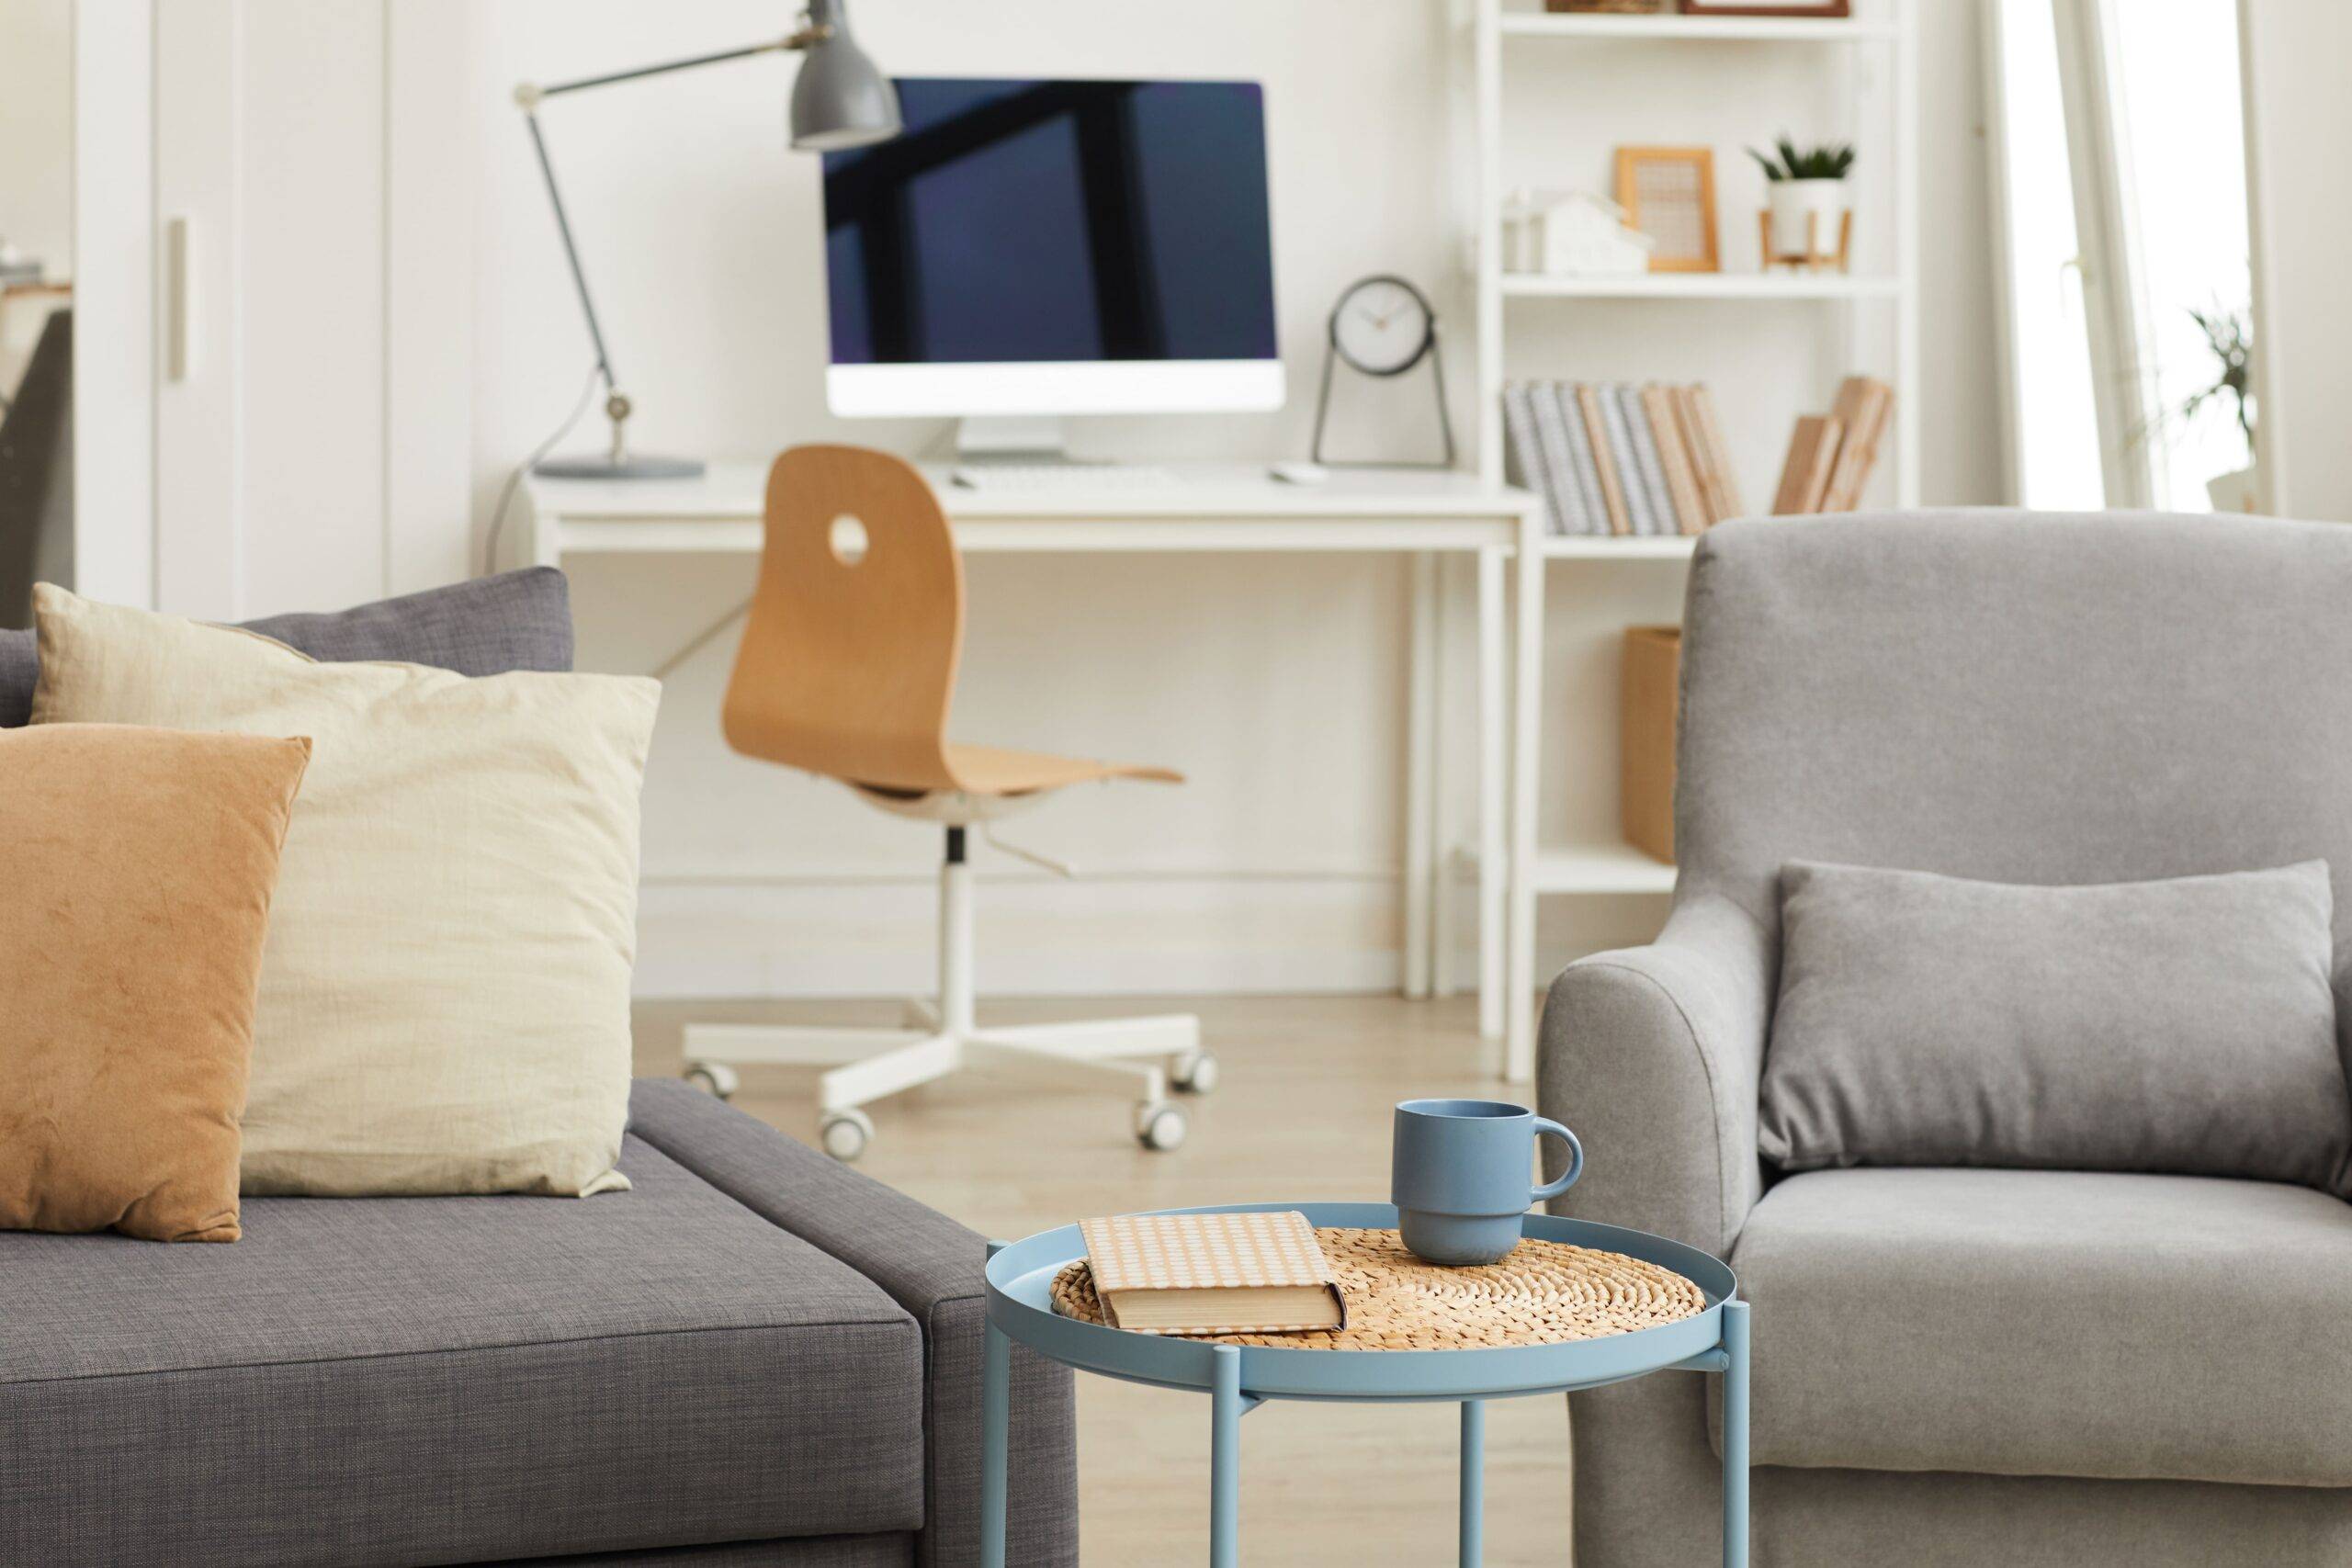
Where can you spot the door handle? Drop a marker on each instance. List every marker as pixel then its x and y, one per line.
pixel 179 302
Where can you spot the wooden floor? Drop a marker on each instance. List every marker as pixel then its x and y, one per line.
pixel 1302 1113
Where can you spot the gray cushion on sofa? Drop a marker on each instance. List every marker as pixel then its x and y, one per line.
pixel 453 1380
pixel 516 620
pixel 2052 1323
pixel 2185 1025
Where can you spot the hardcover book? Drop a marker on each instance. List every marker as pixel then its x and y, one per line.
pixel 1262 1273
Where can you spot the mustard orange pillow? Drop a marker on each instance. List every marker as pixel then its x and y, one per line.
pixel 140 865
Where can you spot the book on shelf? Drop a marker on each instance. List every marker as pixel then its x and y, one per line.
pixel 1647 461
pixel 1604 465
pixel 1614 458
pixel 1863 407
pixel 1687 506
pixel 1232 1273
pixel 1804 476
pixel 1639 518
pixel 1523 454
pixel 1556 410
pixel 1559 464
pixel 1705 437
pixel 1831 455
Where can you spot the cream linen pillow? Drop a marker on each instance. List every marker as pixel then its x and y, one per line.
pixel 444 999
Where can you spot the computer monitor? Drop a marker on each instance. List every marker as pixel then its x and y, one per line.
pixel 1055 247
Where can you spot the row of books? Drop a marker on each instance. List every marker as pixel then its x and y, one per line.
pixel 1617 458
pixel 1830 456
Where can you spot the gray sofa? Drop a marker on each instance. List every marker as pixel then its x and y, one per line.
pixel 754 1357
pixel 1960 1368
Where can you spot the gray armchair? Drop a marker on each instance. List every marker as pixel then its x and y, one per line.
pixel 1955 1367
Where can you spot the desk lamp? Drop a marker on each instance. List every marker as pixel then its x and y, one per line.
pixel 840 99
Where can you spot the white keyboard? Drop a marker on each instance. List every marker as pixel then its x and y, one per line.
pixel 1061 476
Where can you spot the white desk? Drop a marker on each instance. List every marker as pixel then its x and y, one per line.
pixel 1421 514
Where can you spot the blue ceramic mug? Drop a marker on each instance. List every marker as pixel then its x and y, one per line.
pixel 1458 1175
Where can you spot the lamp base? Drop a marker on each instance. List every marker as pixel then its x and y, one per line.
pixel 629 467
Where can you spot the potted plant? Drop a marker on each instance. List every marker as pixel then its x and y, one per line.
pixel 1807 186
pixel 2230 334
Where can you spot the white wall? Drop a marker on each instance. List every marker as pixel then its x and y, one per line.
pixel 2299 122
pixel 408 335
pixel 1276 686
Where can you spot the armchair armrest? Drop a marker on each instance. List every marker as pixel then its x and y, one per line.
pixel 932 1267
pixel 1652 1054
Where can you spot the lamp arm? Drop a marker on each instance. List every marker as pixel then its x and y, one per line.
pixel 570 251
pixel 816 27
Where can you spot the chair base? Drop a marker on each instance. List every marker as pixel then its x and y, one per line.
pixel 1147 1056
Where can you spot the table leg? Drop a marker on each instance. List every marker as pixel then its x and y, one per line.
pixel 1474 1482
pixel 1225 1459
pixel 1736 1435
pixel 996 1418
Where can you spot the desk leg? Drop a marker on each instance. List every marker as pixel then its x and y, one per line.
pixel 1420 772
pixel 996 1418
pixel 1474 1482
pixel 1526 774
pixel 1446 936
pixel 1736 1435
pixel 1225 1460
pixel 1494 871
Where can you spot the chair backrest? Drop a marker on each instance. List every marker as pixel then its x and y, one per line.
pixel 2020 698
pixel 848 665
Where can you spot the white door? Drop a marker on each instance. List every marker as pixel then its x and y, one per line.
pixel 307 216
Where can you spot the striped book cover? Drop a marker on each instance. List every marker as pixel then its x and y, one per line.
pixel 1262 1273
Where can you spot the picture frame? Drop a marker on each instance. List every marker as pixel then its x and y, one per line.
pixel 1823 8
pixel 1669 193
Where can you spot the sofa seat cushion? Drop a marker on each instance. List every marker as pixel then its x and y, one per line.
pixel 2052 1323
pixel 452 1380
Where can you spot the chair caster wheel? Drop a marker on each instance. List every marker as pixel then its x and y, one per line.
pixel 713 1078
pixel 1194 1072
pixel 845 1134
pixel 1161 1126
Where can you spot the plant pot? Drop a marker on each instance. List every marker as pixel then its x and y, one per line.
pixel 2235 491
pixel 1792 202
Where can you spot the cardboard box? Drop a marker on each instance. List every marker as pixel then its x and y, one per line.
pixel 1651 677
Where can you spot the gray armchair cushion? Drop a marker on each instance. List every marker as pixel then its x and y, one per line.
pixel 372 1382
pixel 2052 1323
pixel 516 620
pixel 2185 1025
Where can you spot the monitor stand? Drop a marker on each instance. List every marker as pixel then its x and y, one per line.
pixel 1010 438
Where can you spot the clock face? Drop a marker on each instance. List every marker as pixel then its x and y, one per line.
pixel 1382 326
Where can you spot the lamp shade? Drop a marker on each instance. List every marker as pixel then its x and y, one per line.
pixel 841 99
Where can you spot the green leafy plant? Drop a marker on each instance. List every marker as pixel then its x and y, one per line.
pixel 2230 334
pixel 1829 161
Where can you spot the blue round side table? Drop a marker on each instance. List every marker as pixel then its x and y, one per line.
pixel 1239 1377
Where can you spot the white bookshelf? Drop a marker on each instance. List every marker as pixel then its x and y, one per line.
pixel 1719 29
pixel 1704 286
pixel 1550 96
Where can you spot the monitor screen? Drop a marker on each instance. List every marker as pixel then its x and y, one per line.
pixel 1053 223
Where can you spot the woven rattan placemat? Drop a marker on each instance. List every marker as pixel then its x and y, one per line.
pixel 1544 1293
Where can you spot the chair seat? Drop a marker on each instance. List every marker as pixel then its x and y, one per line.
pixel 452 1380
pixel 990 770
pixel 2052 1323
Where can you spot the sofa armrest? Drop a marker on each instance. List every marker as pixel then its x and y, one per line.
pixel 930 1266
pixel 1653 1055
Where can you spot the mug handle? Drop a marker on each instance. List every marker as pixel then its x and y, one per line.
pixel 1576 1160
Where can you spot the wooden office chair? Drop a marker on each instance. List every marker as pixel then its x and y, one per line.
pixel 846 670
